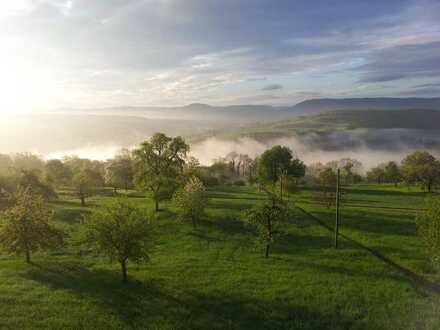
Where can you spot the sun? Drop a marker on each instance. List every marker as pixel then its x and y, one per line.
pixel 25 86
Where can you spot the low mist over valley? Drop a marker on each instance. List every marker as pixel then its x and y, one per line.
pixel 321 133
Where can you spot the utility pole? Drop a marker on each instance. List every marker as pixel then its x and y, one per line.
pixel 338 175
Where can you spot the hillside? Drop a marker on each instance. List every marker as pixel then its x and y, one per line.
pixel 385 130
pixel 380 103
pixel 344 120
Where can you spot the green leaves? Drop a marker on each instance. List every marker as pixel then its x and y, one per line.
pixel 158 164
pixel 121 231
pixel 26 226
pixel 191 200
pixel 268 220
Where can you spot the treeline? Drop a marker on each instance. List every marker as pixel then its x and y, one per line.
pixel 125 171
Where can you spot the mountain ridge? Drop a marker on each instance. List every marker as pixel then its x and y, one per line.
pixel 309 106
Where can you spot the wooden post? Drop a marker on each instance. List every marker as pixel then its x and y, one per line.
pixel 337 207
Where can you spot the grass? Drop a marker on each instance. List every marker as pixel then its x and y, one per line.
pixel 215 276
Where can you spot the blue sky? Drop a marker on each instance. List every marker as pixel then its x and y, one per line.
pixel 97 53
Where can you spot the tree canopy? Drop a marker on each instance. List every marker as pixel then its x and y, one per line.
pixel 26 226
pixel 158 163
pixel 423 168
pixel 121 231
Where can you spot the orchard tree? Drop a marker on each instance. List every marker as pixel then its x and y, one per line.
pixel 26 227
pixel 191 201
pixel 57 172
pixel 392 173
pixel 120 231
pixel 86 182
pixel 6 165
pixel 27 162
pixel 268 220
pixel 327 180
pixel 421 167
pixel 428 228
pixel 32 181
pixel 119 171
pixel 376 175
pixel 158 164
pixel 350 169
pixel 191 169
pixel 276 164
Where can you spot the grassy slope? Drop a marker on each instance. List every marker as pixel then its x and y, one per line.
pixel 214 277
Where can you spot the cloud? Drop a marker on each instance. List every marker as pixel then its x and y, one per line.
pixel 408 61
pixel 166 52
pixel 272 87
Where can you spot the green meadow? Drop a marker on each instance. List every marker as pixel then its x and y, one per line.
pixel 216 277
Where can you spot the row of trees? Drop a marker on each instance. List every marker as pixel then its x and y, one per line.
pixel 420 168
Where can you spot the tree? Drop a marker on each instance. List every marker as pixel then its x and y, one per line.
pixel 30 180
pixel 376 175
pixel 392 173
pixel 122 232
pixel 421 167
pixel 428 228
pixel 327 181
pixel 191 169
pixel 26 227
pixel 86 182
pixel 57 172
pixel 27 162
pixel 158 164
pixel 5 165
pixel 119 171
pixel 276 164
pixel 268 219
pixel 191 201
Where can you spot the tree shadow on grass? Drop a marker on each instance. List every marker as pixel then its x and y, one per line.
pixel 228 225
pixel 216 195
pixel 71 216
pixel 376 223
pixel 228 205
pixel 290 243
pixel 148 305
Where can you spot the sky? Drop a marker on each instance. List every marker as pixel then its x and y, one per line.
pixel 99 53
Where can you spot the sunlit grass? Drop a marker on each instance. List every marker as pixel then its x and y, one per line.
pixel 215 277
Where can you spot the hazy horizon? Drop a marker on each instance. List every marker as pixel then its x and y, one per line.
pixel 93 54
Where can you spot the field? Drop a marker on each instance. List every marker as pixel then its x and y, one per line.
pixel 216 277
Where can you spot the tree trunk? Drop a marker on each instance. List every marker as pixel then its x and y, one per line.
pixel 28 255
pixel 83 201
pixel 270 235
pixel 281 188
pixel 124 271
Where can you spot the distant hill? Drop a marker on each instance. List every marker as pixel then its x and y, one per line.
pixel 198 111
pixel 353 119
pixel 380 103
pixel 265 113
